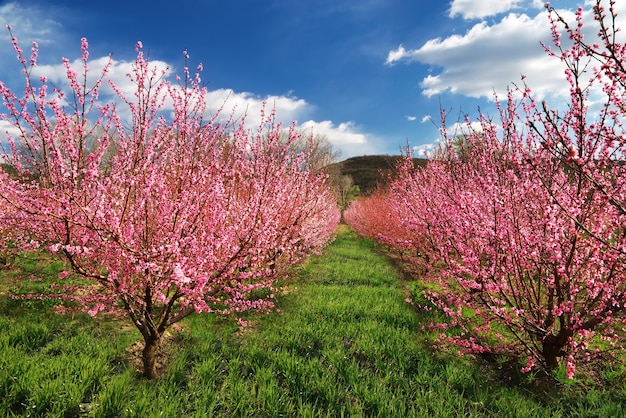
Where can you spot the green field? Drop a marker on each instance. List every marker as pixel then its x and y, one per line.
pixel 343 343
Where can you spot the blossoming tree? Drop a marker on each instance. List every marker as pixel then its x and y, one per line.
pixel 523 238
pixel 165 213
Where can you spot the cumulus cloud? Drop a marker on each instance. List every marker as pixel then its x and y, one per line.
pixel 464 128
pixel 239 104
pixel 473 9
pixel 28 23
pixel 6 130
pixel 397 55
pixel 424 150
pixel 489 57
pixel 345 137
pixel 117 72
pixel 411 118
pixel 343 134
pixel 226 104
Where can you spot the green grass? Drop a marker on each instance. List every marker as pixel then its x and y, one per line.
pixel 344 343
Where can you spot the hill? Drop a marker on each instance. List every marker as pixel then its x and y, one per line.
pixel 369 170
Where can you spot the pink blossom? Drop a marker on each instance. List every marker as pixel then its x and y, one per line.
pixel 529 365
pixel 570 368
pixel 520 227
pixel 95 309
pixel 64 274
pixel 165 215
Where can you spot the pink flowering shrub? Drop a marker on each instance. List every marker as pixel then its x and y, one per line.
pixel 10 239
pixel 523 238
pixel 165 212
pixel 371 217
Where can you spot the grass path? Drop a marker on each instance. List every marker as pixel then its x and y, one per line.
pixel 343 344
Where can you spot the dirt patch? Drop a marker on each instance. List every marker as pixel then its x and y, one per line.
pixel 162 357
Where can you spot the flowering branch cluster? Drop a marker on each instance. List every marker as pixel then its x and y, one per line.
pixel 166 214
pixel 521 234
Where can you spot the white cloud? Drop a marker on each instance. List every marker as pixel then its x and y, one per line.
pixel 6 130
pixel 28 23
pixel 411 118
pixel 228 104
pixel 473 9
pixel 33 24
pixel 117 73
pixel 57 73
pixel 225 101
pixel 425 149
pixel 38 24
pixel 463 128
pixel 344 134
pixel 489 57
pixel 396 55
pixel 345 137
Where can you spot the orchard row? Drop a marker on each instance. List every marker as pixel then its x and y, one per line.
pixel 520 226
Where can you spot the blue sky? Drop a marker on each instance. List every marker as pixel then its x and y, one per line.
pixel 368 74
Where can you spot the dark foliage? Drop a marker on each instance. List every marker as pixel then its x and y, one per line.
pixel 370 170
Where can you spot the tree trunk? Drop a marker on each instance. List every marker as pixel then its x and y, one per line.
pixel 552 348
pixel 550 353
pixel 149 356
